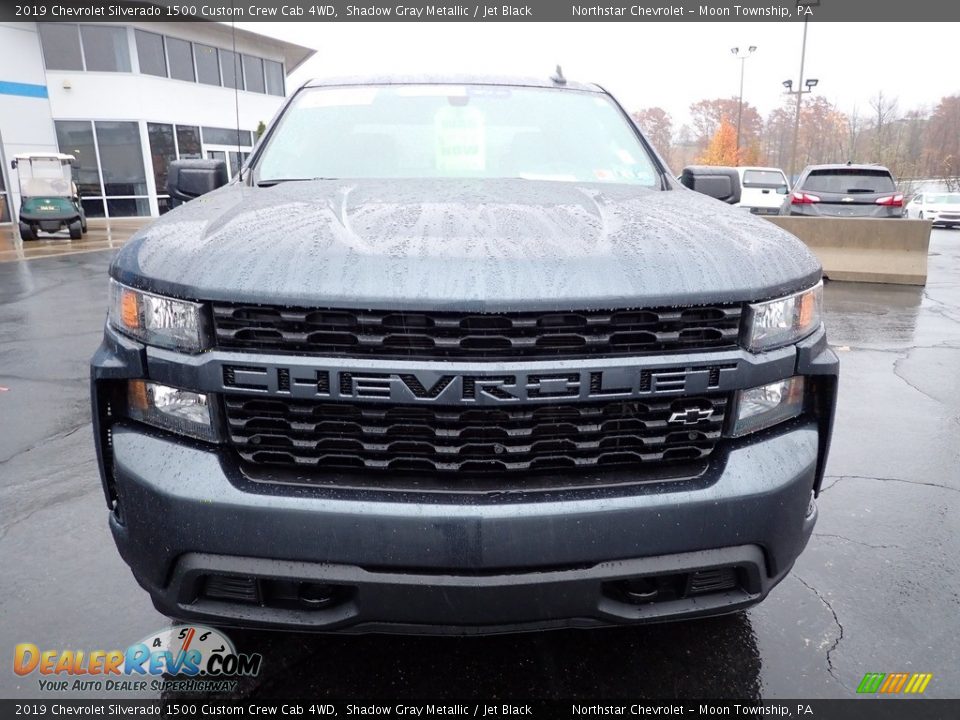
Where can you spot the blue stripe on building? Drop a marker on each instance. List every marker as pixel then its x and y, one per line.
pixel 22 89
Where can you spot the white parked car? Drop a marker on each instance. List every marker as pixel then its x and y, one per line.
pixel 762 189
pixel 942 208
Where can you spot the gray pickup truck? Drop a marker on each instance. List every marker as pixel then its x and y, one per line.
pixel 459 355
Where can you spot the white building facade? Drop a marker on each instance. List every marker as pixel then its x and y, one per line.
pixel 125 100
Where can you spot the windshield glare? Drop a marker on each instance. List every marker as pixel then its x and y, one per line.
pixel 942 199
pixel 44 177
pixel 455 131
pixel 765 179
pixel 849 181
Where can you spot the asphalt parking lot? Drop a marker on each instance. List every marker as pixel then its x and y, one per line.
pixel 877 590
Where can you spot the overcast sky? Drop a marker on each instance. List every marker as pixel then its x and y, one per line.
pixel 660 63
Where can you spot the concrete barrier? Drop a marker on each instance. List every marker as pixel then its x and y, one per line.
pixel 865 249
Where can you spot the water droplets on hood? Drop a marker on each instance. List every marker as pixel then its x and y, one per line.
pixel 506 244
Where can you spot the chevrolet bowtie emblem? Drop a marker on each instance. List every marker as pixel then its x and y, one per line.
pixel 690 416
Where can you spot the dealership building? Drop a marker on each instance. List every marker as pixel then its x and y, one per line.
pixel 125 100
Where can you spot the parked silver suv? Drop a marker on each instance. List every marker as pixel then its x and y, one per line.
pixel 845 190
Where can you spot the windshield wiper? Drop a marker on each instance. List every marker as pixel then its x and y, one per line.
pixel 277 181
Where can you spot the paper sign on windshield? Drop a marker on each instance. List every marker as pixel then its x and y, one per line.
pixel 460 140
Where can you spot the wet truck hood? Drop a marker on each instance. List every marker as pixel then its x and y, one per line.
pixel 466 245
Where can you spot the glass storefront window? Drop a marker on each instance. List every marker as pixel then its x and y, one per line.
pixel 128 207
pixel 93 207
pixel 75 137
pixel 162 153
pixel 234 162
pixel 121 158
pixel 227 136
pixel 208 66
pixel 230 70
pixel 105 48
pixel 61 46
pixel 180 56
pixel 253 74
pixel 150 53
pixel 188 142
pixel 274 71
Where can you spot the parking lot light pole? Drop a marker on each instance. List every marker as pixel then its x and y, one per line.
pixel 743 61
pixel 803 87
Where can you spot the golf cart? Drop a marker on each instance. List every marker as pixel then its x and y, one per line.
pixel 49 199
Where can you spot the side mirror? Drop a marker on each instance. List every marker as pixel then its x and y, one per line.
pixel 13 164
pixel 189 179
pixel 722 183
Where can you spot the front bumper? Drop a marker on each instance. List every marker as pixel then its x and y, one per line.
pixel 944 219
pixel 184 512
pixel 412 563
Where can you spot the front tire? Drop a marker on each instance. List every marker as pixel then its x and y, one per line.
pixel 26 232
pixel 76 230
pixel 83 225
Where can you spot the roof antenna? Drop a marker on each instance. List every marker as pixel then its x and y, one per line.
pixel 558 77
pixel 237 76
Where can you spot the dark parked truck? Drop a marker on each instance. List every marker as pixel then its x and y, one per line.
pixel 460 356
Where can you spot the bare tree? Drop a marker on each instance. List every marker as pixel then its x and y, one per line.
pixel 657 125
pixel 941 144
pixel 854 128
pixel 685 148
pixel 884 113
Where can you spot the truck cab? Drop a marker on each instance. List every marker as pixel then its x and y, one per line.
pixel 763 189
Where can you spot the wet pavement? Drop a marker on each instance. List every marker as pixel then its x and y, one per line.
pixel 877 590
pixel 101 235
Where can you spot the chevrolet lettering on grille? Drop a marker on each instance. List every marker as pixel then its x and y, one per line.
pixel 485 389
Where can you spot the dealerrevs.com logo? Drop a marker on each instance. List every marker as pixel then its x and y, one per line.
pixel 894 683
pixel 182 657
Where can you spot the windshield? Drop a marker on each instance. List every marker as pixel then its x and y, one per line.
pixel 44 177
pixel 944 199
pixel 455 131
pixel 771 179
pixel 849 181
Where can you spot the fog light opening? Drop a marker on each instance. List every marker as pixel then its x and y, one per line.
pixel 640 590
pixel 317 595
pixel 650 589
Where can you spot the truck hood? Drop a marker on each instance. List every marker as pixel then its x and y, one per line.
pixel 463 245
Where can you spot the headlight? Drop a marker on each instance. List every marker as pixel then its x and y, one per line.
pixel 783 321
pixel 169 408
pixel 156 320
pixel 761 407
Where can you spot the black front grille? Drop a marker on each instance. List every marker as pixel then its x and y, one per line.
pixel 328 436
pixel 373 333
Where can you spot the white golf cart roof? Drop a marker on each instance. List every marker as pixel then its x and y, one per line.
pixel 44 156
